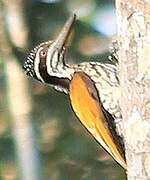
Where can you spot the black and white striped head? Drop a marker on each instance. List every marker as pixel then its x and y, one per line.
pixel 45 60
pixel 35 55
pixel 35 64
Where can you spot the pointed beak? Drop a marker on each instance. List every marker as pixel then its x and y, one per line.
pixel 60 41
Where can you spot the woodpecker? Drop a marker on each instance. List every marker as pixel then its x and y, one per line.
pixel 93 88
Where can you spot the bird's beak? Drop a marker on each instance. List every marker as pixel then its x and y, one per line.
pixel 60 41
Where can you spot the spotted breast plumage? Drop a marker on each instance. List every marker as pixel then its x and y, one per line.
pixel 93 88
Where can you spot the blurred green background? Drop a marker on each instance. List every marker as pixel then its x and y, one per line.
pixel 40 137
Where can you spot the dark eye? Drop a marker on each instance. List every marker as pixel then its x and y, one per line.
pixel 43 53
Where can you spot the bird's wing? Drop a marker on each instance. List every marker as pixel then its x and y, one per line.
pixel 88 108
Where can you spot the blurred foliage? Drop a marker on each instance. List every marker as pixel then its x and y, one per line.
pixel 67 151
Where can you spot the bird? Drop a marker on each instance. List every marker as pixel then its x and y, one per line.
pixel 93 89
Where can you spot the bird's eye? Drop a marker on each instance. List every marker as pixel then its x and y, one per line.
pixel 43 53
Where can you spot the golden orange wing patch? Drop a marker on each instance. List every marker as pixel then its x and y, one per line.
pixel 88 108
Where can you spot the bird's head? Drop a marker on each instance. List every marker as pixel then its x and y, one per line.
pixel 45 61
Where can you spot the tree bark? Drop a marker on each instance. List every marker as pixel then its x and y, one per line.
pixel 133 28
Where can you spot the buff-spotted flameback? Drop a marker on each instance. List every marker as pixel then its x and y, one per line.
pixel 93 88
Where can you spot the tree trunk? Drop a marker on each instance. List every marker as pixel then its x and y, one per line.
pixel 133 18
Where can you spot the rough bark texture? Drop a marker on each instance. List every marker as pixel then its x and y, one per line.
pixel 133 17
